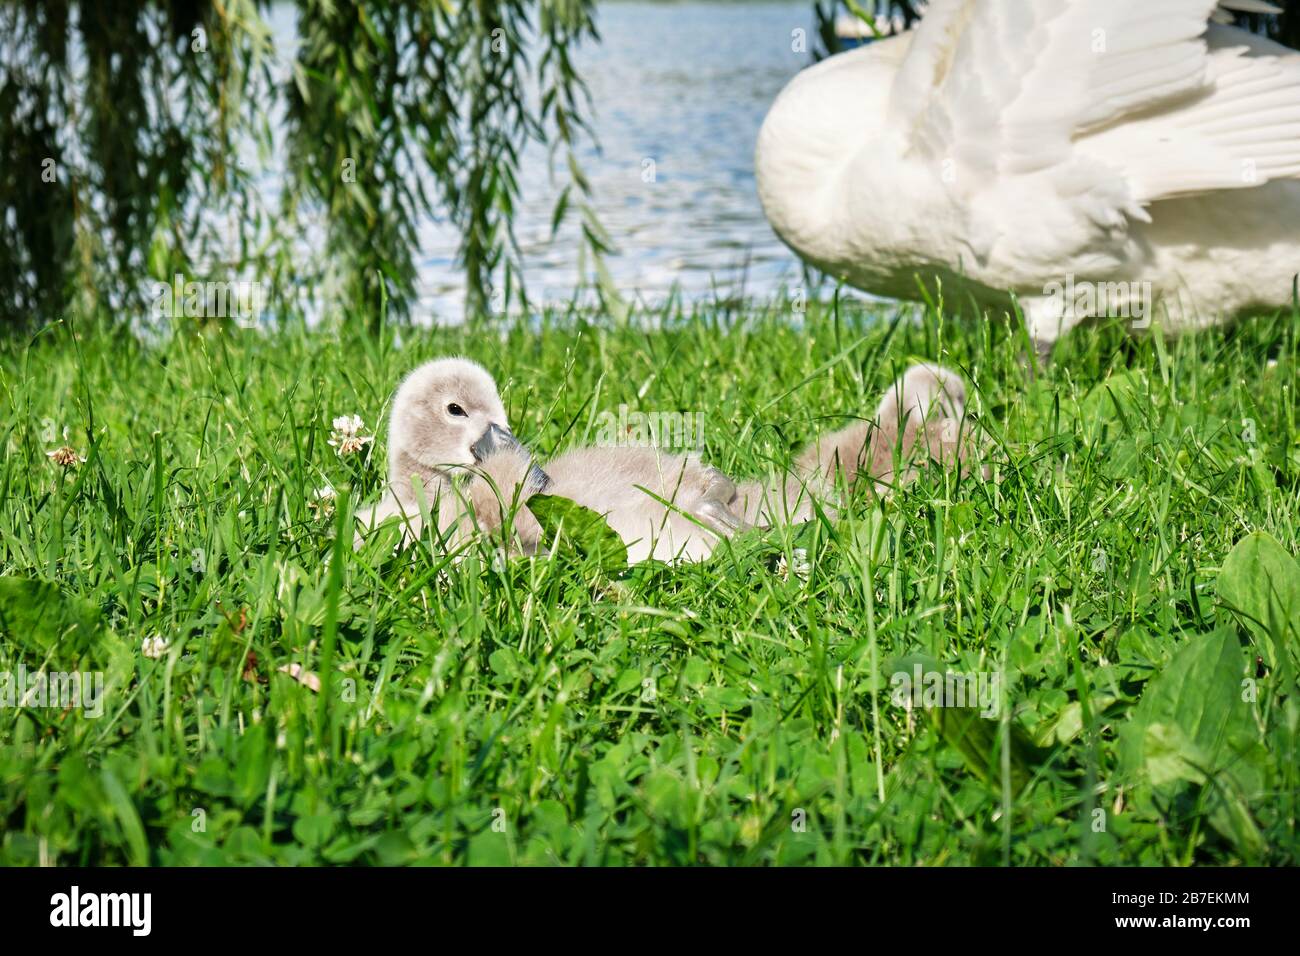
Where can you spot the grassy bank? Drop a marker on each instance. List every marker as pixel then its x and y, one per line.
pixel 737 711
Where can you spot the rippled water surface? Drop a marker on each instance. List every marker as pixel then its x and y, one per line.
pixel 679 90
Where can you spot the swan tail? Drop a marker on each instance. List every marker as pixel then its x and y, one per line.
pixel 920 419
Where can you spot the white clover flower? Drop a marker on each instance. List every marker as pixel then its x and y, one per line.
pixel 801 566
pixel 323 503
pixel 153 647
pixel 347 437
pixel 65 456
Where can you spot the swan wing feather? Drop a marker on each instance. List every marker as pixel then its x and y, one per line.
pixel 1003 86
pixel 1057 121
pixel 1241 131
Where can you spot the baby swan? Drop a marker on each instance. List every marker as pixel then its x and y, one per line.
pixel 447 418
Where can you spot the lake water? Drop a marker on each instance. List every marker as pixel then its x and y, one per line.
pixel 679 91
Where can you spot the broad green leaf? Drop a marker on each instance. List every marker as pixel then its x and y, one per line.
pixel 1261 583
pixel 488 848
pixel 696 672
pixel 972 732
pixel 979 741
pixel 1141 654
pixel 1068 722
pixel 1171 755
pixel 1199 693
pixel 314 829
pixel 1119 398
pixel 1228 802
pixel 629 679
pixel 505 663
pixel 1193 726
pixel 566 521
pixel 39 618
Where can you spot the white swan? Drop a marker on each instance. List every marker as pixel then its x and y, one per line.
pixel 1090 157
pixel 450 442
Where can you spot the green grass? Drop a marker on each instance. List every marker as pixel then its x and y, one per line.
pixel 541 711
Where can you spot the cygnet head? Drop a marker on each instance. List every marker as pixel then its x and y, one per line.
pixel 929 390
pixel 445 413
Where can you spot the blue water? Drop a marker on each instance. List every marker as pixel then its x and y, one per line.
pixel 683 86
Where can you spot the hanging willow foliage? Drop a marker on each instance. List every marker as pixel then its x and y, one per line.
pixel 132 135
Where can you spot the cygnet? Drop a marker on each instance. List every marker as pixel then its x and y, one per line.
pixel 448 420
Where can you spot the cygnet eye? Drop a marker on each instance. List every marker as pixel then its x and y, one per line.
pixel 455 409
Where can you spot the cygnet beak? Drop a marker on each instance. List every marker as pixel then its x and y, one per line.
pixel 495 439
pixel 491 441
